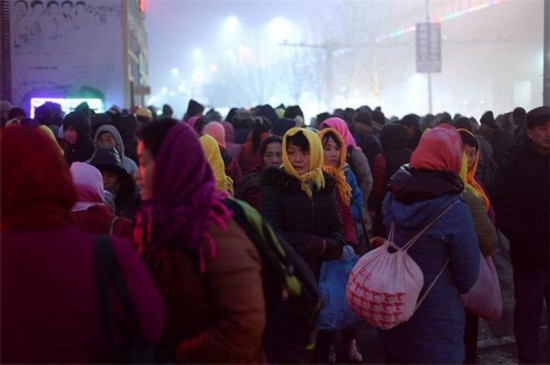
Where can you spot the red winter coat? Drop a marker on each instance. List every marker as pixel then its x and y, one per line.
pixel 98 219
pixel 50 307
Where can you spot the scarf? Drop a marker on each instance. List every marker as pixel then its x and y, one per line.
pixel 314 176
pixel 184 199
pixel 214 157
pixel 88 183
pixel 468 177
pixel 344 189
pixel 216 131
pixel 440 149
pixel 50 134
pixel 341 127
pixel 37 190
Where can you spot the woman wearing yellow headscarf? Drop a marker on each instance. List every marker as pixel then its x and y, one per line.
pixel 468 170
pixel 480 208
pixel 299 202
pixel 214 157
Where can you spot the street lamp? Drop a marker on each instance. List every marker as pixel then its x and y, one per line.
pixel 197 54
pixel 232 24
pixel 280 30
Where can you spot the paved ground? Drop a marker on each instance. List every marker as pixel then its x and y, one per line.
pixel 496 339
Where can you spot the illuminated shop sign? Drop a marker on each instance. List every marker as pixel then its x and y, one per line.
pixel 68 104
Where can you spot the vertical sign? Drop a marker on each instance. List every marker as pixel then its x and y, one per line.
pixel 428 47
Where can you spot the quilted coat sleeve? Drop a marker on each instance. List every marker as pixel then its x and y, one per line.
pixel 357 202
pixel 350 236
pixel 464 251
pixel 361 169
pixel 305 243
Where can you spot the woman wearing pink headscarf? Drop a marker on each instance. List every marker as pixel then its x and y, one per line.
pixel 417 194
pixel 232 168
pixel 360 166
pixel 90 212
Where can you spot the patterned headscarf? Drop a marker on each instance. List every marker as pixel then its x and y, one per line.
pixel 439 149
pixel 344 190
pixel 468 176
pixel 216 131
pixel 315 172
pixel 340 125
pixel 213 155
pixel 184 198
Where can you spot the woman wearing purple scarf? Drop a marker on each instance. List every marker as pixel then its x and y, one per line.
pixel 205 266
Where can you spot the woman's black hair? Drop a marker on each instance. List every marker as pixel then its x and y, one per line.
pixel 261 125
pixel 153 134
pixel 300 140
pixel 468 139
pixel 200 124
pixel 332 136
pixel 393 136
pixel 269 140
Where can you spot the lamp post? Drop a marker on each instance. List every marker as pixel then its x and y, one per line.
pixel 546 53
pixel 428 20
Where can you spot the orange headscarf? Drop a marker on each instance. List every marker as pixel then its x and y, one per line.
pixel 344 190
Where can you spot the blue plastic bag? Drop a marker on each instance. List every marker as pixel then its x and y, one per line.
pixel 335 312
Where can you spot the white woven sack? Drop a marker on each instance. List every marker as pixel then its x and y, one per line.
pixel 383 287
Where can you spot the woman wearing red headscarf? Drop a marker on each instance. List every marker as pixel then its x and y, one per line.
pixel 49 299
pixel 416 195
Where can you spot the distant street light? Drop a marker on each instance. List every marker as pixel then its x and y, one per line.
pixel 232 24
pixel 197 54
pixel 280 30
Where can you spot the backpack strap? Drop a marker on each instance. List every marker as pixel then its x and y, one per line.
pixel 413 240
pixel 432 284
pixel 108 274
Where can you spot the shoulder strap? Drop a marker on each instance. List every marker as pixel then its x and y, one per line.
pixel 413 240
pixel 108 274
pixel 432 284
pixel 102 259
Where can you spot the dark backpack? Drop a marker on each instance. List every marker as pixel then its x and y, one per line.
pixel 290 288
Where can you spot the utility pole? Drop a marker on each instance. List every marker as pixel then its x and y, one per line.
pixel 546 53
pixel 428 20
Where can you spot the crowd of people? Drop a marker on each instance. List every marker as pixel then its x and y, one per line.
pixel 157 187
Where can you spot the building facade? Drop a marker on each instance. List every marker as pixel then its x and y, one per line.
pixel 74 49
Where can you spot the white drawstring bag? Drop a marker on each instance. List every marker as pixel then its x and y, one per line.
pixel 384 285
